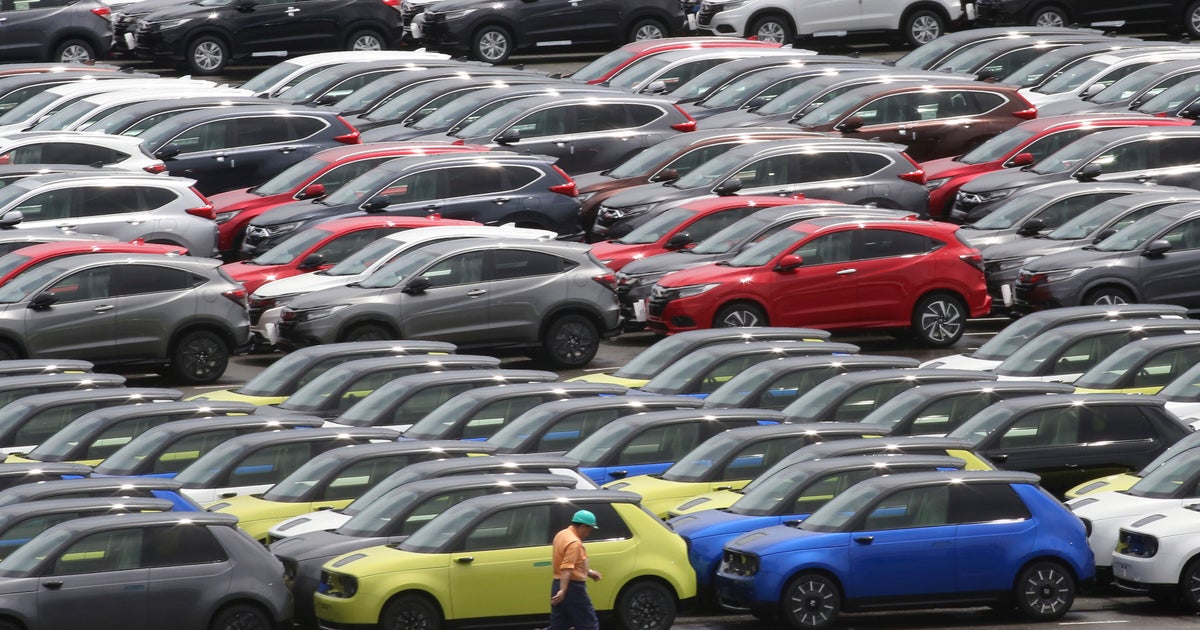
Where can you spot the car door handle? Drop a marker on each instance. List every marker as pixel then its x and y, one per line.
pixel 864 540
pixel 619 474
pixel 103 308
pixel 54 584
pixel 502 200
pixel 850 188
pixel 287 149
pixel 476 292
pixel 998 457
pixel 134 221
pixel 65 226
pixel 1071 466
pixel 846 272
pixel 465 559
pixel 1143 178
pixel 291 10
pixel 3 19
pixel 432 208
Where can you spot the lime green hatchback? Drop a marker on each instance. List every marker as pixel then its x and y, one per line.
pixel 487 561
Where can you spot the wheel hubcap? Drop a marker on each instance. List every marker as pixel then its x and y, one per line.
pixel 1044 591
pixel 209 55
pixel 367 42
pixel 741 319
pixel 646 611
pixel 771 32
pixel 941 321
pixel 925 29
pixel 202 357
pixel 75 54
pixel 1195 20
pixel 411 620
pixel 1049 18
pixel 493 45
pixel 648 31
pixel 573 342
pixel 1109 300
pixel 812 603
pixel 244 621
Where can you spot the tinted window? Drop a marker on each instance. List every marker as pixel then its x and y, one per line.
pixel 181 454
pixel 891 244
pixel 1176 152
pixel 869 163
pixel 339 248
pixel 829 248
pixel 64 153
pixel 818 167
pixel 516 263
pixel 154 197
pixel 639 115
pixel 890 109
pixel 115 437
pixel 755 458
pixel 946 414
pixel 527 526
pixel 357 478
pixel 103 200
pixel 20 533
pixel 137 279
pixel 269 465
pixel 1083 354
pixel 89 284
pixel 612 526
pixel 302 127
pixel 425 401
pixel 983 503
pixel 660 444
pixel 261 130
pixel 690 160
pixel 862 402
pixel 465 181
pixel 422 186
pixel 707 226
pixel 50 421
pixel 1132 156
pixel 604 117
pixel 1046 145
pixel 459 269
pixel 334 178
pixel 487 421
pixel 916 507
pixel 1115 423
pixel 566 432
pixel 1165 367
pixel 210 136
pixel 104 551
pixel 174 546
pixel 1053 427
pixel 948 104
pixel 546 122
pixel 48 206
pixel 1184 236
pixel 517 177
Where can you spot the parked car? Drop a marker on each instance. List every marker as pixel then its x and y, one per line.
pixel 941 513
pixel 32 108
pixel 27 422
pixel 16 89
pixel 776 384
pixel 22 474
pixel 1014 12
pixel 779 21
pixel 662 74
pixel 283 75
pixel 561 300
pixel 1176 101
pixel 136 118
pixel 91 109
pixel 75 32
pixel 20 260
pixel 392 98
pixel 20 523
pixel 557 426
pixel 32 367
pixel 1142 367
pixel 1001 57
pixel 1133 90
pixel 752 89
pixel 1156 556
pixel 1181 397
pixel 330 85
pixel 1039 209
pixel 118 153
pixel 705 369
pixel 852 396
pixel 938 408
pixel 1183 449
pixel 1095 74
pixel 71 488
pixel 16 387
pixel 192 317
pixel 601 69
pixel 408 104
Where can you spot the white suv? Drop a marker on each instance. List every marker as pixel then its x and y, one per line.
pixel 917 21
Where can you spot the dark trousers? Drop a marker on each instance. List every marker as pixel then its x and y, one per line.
pixel 575 610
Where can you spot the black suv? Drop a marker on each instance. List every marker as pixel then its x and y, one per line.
pixel 207 34
pixel 74 31
pixel 491 30
pixel 1169 15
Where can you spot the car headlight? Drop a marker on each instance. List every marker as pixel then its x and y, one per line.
pixel 1136 545
pixel 1008 264
pixel 993 195
pixel 224 217
pixel 337 585
pixel 582 197
pixel 169 24
pixel 1053 275
pixel 674 293
pixel 454 15
pixel 282 228
pixel 613 214
pixel 310 314
pixel 934 184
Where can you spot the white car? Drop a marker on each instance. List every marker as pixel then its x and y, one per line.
pixel 273 296
pixel 1094 75
pixel 1183 396
pixel 31 110
pixel 78 147
pixel 91 109
pixel 1159 555
pixel 782 20
pixel 663 73
pixel 274 80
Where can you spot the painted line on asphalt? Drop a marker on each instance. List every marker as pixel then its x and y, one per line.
pixel 1085 623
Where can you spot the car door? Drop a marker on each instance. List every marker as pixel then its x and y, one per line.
pixel 204 154
pixel 419 404
pixel 267 28
pixel 1170 277
pixel 314 25
pixel 544 132
pixel 263 146
pixel 24 25
pixel 829 15
pixel 602 135
pixel 1047 442
pixel 887 265
pixel 553 22
pixel 951 121
pixel 183 561
pixel 484 193
pixel 610 549
pixel 751 460
pixel 264 467
pixel 652 451
pixel 522 284
pixel 909 523
pixel 991 520
pixel 150 302
pixel 81 323
pixel 501 566
pixel 97 581
pixel 455 306
pixel 118 211
pixel 822 291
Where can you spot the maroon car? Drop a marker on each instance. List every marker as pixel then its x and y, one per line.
pixel 932 120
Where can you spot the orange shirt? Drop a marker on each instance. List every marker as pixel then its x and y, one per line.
pixel 569 555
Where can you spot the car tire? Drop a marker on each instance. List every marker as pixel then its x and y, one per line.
pixel 811 600
pixel 199 357
pixel 1191 20
pixel 646 605
pixel 410 611
pixel 1044 591
pixel 772 28
pixel 923 26
pixel 366 39
pixel 1108 296
pixel 9 352
pixel 74 51
pixel 368 332
pixel 570 341
pixel 241 617
pixel 207 54
pixel 1049 15
pixel 647 28
pixel 939 320
pixel 739 315
pixel 492 44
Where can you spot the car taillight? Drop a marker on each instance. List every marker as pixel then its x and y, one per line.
pixel 204 212
pixel 237 295
pixel 348 138
pixel 690 125
pixel 975 259
pixel 1160 114
pixel 1026 114
pixel 155 169
pixel 103 12
pixel 395 4
pixel 568 188
pixel 608 280
pixel 917 175
pixel 460 142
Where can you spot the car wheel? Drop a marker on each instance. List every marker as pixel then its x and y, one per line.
pixel 939 320
pixel 368 332
pixel 773 28
pixel 647 29
pixel 1108 296
pixel 365 39
pixel 1049 16
pixel 241 617
pixel 493 44
pixel 923 26
pixel 8 352
pixel 739 315
pixel 74 51
pixel 409 612
pixel 207 55
pixel 646 605
pixel 810 601
pixel 1191 20
pixel 1044 591
pixel 199 357
pixel 571 341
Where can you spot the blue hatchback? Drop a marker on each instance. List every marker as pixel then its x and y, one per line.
pixel 915 540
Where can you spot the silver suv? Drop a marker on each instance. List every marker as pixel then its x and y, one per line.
pixel 475 293
pixel 154 208
pixel 175 311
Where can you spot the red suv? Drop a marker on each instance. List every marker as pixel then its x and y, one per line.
pixel 605 67
pixel 18 261
pixel 312 178
pixel 834 273
pixel 1022 145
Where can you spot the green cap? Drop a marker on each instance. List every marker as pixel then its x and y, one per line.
pixel 584 517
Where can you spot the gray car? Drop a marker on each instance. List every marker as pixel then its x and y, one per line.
pixel 552 296
pixel 178 311
pixel 187 571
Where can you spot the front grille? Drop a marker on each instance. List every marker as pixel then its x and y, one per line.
pixel 408 12
pixel 707 11
pixel 656 306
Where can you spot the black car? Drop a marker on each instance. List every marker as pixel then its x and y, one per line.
pixel 135 118
pixel 409 106
pixel 75 31
pixel 226 148
pixel 1064 353
pixel 492 30
pixel 559 425
pixel 938 408
pixel 207 34
pixel 493 188
pixel 1070 439
pixel 930 55
pixel 387 88
pixel 1169 16
pixel 850 397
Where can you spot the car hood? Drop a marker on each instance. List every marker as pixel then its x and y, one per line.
pixel 249 508
pixel 251 274
pixel 784 539
pixel 947 167
pixel 12 586
pixel 301 211
pixel 387 560
pixel 304 283
pixel 317 545
pixel 717 523
pixel 339 295
pixel 1172 521
pixel 714 500
pixel 708 274
pixel 649 193
pixel 739 118
pixel 988 238
pixel 1188 411
pixel 233 396
pixel 391 133
pixel 1029 247
pixel 1115 505
pixel 960 362
pixel 1008 178
pixel 321 521
pixel 237 200
pixel 612 250
pixel 671 261
pixel 1076 259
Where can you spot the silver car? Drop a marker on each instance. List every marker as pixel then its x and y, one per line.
pixel 176 311
pixel 552 296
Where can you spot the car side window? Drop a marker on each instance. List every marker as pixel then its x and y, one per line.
pixel 568 431
pixel 660 444
pixel 821 491
pixel 638 115
pixel 690 160
pixel 705 227
pixel 209 136
pixel 1061 211
pixel 49 205
pixel 466 268
pixel 182 453
pixel 152 197
pixel 31 5
pixel 927 506
pixel 944 415
pixel 895 108
pixel 77 153
pixel 269 464
pixel 1128 219
pixel 1052 427
pixel 720 373
pixel 1184 236
pixel 116 550
pixel 425 401
pixel 1174 152
pixel 261 130
pixel 599 117
pixel 20 533
pixel 508 264
pixel 1121 73
pixel 954 103
pixel 1050 143
pixel 467 181
pixel 336 177
pixel 862 402
pixel 772 171
pixel 819 167
pixel 425 511
pixel 116 436
pixel 513 528
pixel 423 186
pixel 836 247
pixel 547 122
pixel 869 163
pixel 487 421
pixel 1115 423
pixel 882 243
pixel 339 248
pixel 1082 355
pixel 985 503
pixel 356 478
pixel 179 545
pixel 613 527
pixel 787 388
pixel 88 284
pixel 1131 156
pixel 755 458
pixel 1161 369
pixel 301 127
pixel 105 200
pixel 140 279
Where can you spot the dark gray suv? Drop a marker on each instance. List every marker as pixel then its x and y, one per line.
pixel 75 31
pixel 552 296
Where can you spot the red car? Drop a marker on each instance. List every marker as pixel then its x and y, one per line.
pixel 323 246
pixel 1022 145
pixel 311 178
pixel 21 260
pixel 605 67
pixel 834 273
pixel 683 226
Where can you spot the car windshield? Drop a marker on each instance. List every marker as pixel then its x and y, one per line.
pixel 602 66
pixel 440 530
pixel 291 178
pixel 734 235
pixel 491 122
pixel 205 472
pixel 982 424
pixel 1011 213
pixel 28 108
pixel 835 514
pixel 592 450
pixel 377 516
pixel 1129 86
pixel 369 409
pixel 318 391
pixel 694 466
pixel 516 432
pixel 805 94
pixel 768 249
pixel 969 60
pixel 1010 338
pixel 1029 358
pixel 644 163
pixel 830 111
pixel 303 480
pixel 1108 372
pixel 1074 77
pixel 926 54
pixel 274 380
pixel 24 284
pixel 896 409
pixel 1069 156
pixel 736 92
pixel 1172 98
pixel 130 457
pixel 1127 239
pixel 292 247
pixel 403 103
pixel 458 110
pixel 677 375
pixel 361 187
pixel 766 496
pixel 1085 224
pixel 436 423
pixel 269 77
pixel 1037 70
pixel 393 273
pixel 1175 478
pixel 654 229
pixel 11 262
pixel 638 71
pixel 997 147
pixel 361 260
pixel 818 399
pixel 80 431
pixel 64 117
pixel 22 561
pixel 1185 387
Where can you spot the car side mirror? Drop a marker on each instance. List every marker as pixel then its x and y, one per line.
pixel 312 192
pixel 42 301
pixel 1157 248
pixel 789 262
pixel 1093 90
pixel 11 218
pixel 728 187
pixel 986 75
pixel 326 99
pixel 418 285
pixel 376 203
pixel 656 87
pixel 1088 172
pixel 1031 227
pixel 679 241
pixel 510 136
pixel 245 5
pixel 1188 112
pixel 852 123
pixel 1021 159
pixel 312 261
pixel 665 175
pixel 1103 235
pixel 168 152
pixel 756 102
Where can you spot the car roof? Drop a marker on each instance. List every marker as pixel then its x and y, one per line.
pixel 109 393
pixel 195 425
pixel 1087 119
pixel 258 439
pixel 883 89
pixel 633 401
pixel 401 164
pixel 206 114
pixel 359 452
pixel 438 485
pixel 145 519
pixel 32 491
pixel 1153 197
pixel 212 407
pixel 56 506
pixel 1179 210
pixel 536 497
pixel 937 390
pixel 81 261
pixel 832 464
pixel 905 374
pixel 8 383
pixel 107 177
pixel 352 347
pixel 561 248
pixel 365 365
pixel 782 346
pixel 132 143
pixel 672 416
pixel 871 77
pixel 367 150
pixel 347 224
pixel 768 431
pixel 765 333
pixel 692 43
pixel 20 469
pixel 838 448
pixel 1024 403
pixel 754 149
pixel 1092 328
pixel 512 462
pixel 913 479
pixel 796 364
pixel 1072 187
pixel 55 249
pixel 436 232
pixel 1163 342
pixel 1068 313
pixel 46 365
pixel 498 375
pixel 553 387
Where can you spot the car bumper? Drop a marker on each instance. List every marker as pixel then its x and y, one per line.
pixel 439 35
pixel 1140 575
pixel 317 332
pixel 999 13
pixel 736 593
pixel 156 44
pixel 676 316
pixel 719 20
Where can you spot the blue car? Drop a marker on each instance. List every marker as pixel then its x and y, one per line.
pixel 789 495
pixel 914 540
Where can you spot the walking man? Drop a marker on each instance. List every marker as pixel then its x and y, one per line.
pixel 570 605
